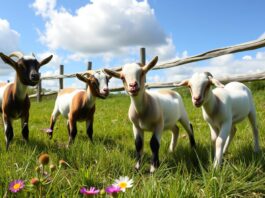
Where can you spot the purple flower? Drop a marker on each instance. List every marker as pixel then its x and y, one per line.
pixel 113 189
pixel 16 186
pixel 91 191
pixel 48 130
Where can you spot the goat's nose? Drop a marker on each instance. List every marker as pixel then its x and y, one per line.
pixel 106 89
pixel 134 84
pixel 197 97
pixel 35 76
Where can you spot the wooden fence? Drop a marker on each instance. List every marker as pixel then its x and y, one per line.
pixel 206 55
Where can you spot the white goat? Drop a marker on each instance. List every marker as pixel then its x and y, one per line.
pixel 14 100
pixel 79 105
pixel 222 107
pixel 152 111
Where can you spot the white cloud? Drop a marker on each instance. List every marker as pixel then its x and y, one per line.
pixel 103 26
pixel 247 57
pixel 9 41
pixel 226 65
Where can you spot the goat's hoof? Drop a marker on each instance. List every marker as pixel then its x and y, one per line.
pixel 152 169
pixel 137 166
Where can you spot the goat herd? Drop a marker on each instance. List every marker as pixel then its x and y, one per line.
pixel 222 107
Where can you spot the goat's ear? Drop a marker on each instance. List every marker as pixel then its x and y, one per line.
pixel 182 83
pixel 8 60
pixel 45 60
pixel 215 82
pixel 82 78
pixel 112 73
pixel 150 65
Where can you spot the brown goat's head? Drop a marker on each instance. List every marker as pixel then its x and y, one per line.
pixel 27 67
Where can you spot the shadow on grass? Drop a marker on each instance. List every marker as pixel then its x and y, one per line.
pixel 247 155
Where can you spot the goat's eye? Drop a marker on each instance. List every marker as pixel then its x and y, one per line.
pixel 122 77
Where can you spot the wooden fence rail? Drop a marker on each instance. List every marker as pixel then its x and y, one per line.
pixel 239 78
pixel 206 55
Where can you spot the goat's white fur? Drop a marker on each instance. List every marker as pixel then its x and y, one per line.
pixel 65 100
pixel 152 111
pixel 223 107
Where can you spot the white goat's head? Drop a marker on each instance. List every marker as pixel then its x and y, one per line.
pixel 199 85
pixel 27 67
pixel 133 76
pixel 98 81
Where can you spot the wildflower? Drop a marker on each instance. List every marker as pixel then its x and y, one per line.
pixel 112 190
pixel 63 163
pixel 48 130
pixel 16 186
pixel 91 191
pixel 123 183
pixel 44 159
pixel 34 181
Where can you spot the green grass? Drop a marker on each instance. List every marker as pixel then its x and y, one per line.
pixel 184 173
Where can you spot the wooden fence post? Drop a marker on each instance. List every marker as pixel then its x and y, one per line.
pixel 142 55
pixel 61 79
pixel 39 92
pixel 89 67
pixel 143 58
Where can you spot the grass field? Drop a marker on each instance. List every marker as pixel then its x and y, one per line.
pixel 184 173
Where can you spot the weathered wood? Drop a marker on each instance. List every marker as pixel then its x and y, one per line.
pixel 61 79
pixel 238 78
pixel 214 53
pixel 142 55
pixel 89 67
pixel 39 91
pixel 44 94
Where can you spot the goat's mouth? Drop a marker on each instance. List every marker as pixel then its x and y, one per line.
pixel 104 94
pixel 197 103
pixel 133 91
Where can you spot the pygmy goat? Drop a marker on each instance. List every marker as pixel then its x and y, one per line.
pixel 14 99
pixel 79 105
pixel 152 111
pixel 222 107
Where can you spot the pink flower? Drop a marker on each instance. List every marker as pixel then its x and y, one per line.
pixel 48 130
pixel 91 191
pixel 16 186
pixel 113 189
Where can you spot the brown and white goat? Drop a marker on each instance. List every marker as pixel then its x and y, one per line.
pixel 14 99
pixel 79 105
pixel 152 111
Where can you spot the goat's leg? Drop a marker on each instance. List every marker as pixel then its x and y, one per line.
pixel 229 138
pixel 139 145
pixel 214 134
pixel 24 126
pixel 174 138
pixel 253 123
pixel 53 118
pixel 8 130
pixel 89 128
pixel 188 127
pixel 155 144
pixel 220 141
pixel 72 130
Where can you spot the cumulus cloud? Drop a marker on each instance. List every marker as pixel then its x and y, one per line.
pixel 103 26
pixel 9 40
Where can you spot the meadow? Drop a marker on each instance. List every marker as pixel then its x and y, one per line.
pixel 183 173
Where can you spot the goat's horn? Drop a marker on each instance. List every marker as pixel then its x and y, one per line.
pixel 208 74
pixel 17 54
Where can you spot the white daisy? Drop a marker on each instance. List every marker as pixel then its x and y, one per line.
pixel 123 183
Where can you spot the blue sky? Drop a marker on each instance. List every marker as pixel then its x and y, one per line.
pixel 109 33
